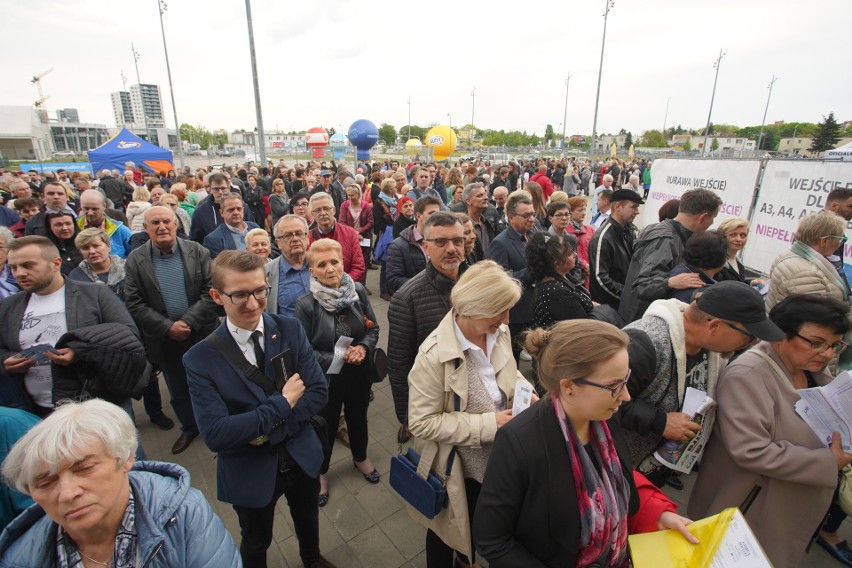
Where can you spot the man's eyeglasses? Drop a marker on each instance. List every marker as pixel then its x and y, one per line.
pixel 289 236
pixel 821 345
pixel 523 215
pixel 441 242
pixel 613 390
pixel 239 298
pixel 322 210
pixel 843 238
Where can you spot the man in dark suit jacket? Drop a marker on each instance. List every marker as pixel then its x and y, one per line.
pixel 507 249
pixel 233 230
pixel 33 316
pixel 167 293
pixel 266 443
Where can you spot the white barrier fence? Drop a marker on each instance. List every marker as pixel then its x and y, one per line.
pixel 782 191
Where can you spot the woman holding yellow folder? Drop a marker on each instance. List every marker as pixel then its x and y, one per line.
pixel 559 489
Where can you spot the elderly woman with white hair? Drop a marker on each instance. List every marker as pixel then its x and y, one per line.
pixel 461 391
pixel 259 243
pixel 95 507
pixel 804 268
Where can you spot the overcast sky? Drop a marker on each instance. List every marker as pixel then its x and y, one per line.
pixel 331 62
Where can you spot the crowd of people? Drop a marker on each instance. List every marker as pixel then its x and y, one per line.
pixel 245 289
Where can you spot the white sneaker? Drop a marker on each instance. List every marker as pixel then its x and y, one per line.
pixel 525 356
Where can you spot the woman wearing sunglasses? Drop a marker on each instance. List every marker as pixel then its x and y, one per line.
pixel 762 457
pixel 559 489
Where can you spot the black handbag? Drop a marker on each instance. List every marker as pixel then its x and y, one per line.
pixel 426 494
pixel 377 365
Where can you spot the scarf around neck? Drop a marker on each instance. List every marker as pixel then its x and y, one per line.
pixel 602 493
pixel 334 299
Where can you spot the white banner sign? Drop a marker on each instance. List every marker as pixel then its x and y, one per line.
pixel 791 190
pixel 732 180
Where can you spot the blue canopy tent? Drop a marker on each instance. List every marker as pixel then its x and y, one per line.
pixel 127 147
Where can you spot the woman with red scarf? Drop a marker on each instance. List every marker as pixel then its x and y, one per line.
pixel 559 489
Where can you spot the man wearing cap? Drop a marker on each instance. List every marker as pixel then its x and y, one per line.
pixel 325 185
pixel 612 247
pixel 675 346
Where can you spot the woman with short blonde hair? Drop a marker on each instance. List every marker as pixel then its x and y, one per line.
pixel 259 243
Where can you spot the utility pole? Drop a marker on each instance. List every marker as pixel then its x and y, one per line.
pixel 473 107
pixel 409 118
pixel 760 138
pixel 609 5
pixel 163 7
pixel 141 100
pixel 665 119
pixel 262 144
pixel 565 114
pixel 716 64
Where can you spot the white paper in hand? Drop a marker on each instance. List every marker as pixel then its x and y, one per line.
pixel 523 397
pixel 339 351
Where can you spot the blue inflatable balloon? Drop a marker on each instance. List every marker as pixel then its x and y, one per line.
pixel 363 134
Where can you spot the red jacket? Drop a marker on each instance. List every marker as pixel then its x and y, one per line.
pixel 545 183
pixel 652 504
pixel 353 258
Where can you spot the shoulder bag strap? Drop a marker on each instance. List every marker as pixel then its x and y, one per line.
pixel 241 363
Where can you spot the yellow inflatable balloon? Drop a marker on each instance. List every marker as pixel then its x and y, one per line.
pixel 412 147
pixel 443 140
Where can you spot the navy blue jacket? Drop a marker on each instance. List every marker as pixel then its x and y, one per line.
pixel 508 250
pixel 207 217
pixel 232 411
pixel 222 239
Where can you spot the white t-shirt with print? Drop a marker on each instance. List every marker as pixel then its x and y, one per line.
pixel 43 324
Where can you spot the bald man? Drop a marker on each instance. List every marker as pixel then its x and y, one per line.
pixel 93 215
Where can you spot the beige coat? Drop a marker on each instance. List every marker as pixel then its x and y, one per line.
pixel 759 440
pixel 792 274
pixel 440 373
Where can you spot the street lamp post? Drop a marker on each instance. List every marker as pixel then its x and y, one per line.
pixel 450 116
pixel 141 100
pixel 565 114
pixel 163 8
pixel 760 138
pixel 409 118
pixel 716 64
pixel 665 119
pixel 262 143
pixel 473 107
pixel 609 5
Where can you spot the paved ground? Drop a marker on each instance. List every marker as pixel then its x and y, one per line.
pixel 363 525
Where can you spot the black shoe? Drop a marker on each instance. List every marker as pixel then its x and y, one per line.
pixel 372 395
pixel 373 477
pixel 385 296
pixel 675 482
pixel 322 499
pixel 163 422
pixel 374 266
pixel 183 442
pixel 841 552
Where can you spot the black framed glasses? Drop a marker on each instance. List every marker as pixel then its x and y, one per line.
pixel 613 389
pixel 522 215
pixel 821 345
pixel 241 297
pixel 441 242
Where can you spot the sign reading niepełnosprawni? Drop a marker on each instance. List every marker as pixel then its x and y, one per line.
pixel 731 180
pixel 789 191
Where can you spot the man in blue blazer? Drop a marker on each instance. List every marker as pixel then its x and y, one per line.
pixel 266 444
pixel 230 235
pixel 508 250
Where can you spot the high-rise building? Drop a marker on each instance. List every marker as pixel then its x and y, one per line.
pixel 146 103
pixel 132 108
pixel 67 115
pixel 121 109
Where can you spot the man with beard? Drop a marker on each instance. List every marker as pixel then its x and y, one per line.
pixel 419 306
pixel 48 306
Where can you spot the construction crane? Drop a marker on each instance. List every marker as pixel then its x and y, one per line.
pixel 39 104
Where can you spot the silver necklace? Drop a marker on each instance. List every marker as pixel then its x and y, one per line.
pixel 87 557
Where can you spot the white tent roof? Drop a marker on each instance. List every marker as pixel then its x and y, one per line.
pixel 844 152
